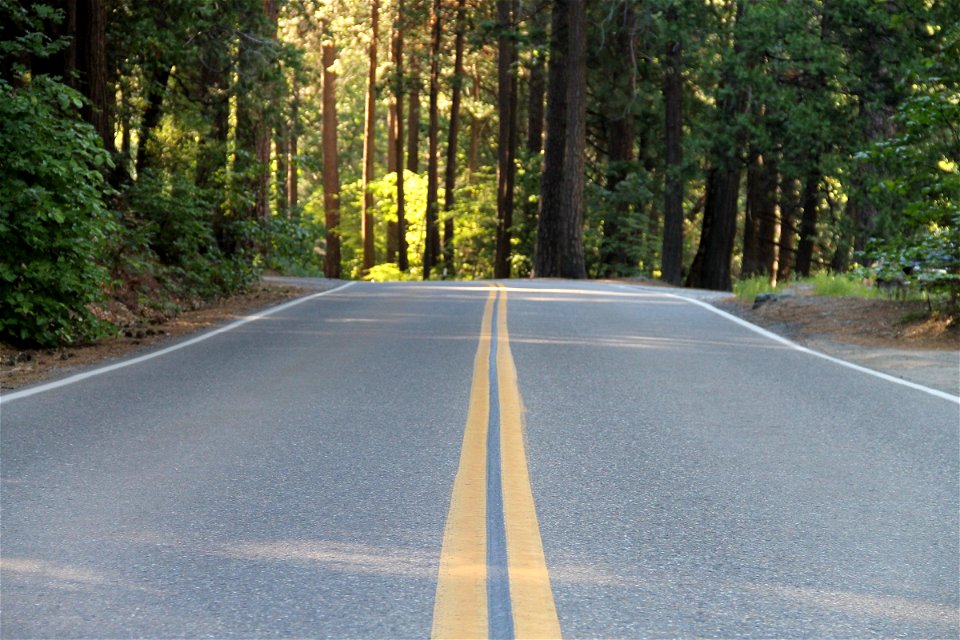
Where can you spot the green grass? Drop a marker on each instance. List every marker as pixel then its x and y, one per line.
pixel 822 284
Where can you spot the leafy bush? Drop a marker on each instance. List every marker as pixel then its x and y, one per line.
pixel 53 221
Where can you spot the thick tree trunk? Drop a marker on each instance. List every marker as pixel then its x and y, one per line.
pixel 331 171
pixel 91 59
pixel 431 249
pixel 571 205
pixel 547 254
pixel 506 141
pixel 450 174
pixel 711 265
pixel 369 132
pixel 671 253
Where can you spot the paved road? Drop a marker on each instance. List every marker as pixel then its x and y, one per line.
pixel 331 470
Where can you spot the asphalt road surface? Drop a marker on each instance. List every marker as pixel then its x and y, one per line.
pixel 506 459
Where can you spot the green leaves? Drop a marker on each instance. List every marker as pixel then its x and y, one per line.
pixel 52 216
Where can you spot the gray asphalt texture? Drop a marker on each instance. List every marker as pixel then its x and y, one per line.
pixel 290 478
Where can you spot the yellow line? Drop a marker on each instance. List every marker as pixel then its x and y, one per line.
pixel 460 608
pixel 534 612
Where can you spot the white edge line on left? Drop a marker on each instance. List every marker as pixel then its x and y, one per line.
pixel 56 384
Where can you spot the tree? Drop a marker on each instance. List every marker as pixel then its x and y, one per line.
pixel 331 171
pixel 450 173
pixel 369 141
pixel 401 228
pixel 431 250
pixel 671 256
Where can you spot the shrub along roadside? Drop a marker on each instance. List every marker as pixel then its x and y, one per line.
pixel 53 220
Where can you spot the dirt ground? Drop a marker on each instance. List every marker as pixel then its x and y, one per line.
pixel 885 334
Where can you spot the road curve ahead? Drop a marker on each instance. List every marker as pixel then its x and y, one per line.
pixel 503 459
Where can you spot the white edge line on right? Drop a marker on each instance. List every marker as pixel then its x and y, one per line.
pixel 793 345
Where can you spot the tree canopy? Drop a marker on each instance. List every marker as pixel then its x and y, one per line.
pixel 176 149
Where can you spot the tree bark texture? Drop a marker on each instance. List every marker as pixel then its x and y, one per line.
pixel 571 204
pixel 547 254
pixel 671 253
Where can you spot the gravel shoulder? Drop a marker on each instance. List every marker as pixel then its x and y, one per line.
pixel 884 335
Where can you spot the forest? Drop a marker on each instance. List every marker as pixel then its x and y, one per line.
pixel 165 152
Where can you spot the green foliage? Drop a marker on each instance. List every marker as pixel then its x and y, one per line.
pixel 918 244
pixel 293 246
pixel 53 221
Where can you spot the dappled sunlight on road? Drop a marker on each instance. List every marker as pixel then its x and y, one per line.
pixel 893 607
pixel 358 558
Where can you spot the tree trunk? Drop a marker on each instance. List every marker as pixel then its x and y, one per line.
pixel 413 118
pixel 156 90
pixel 789 213
pixel 547 254
pixel 431 249
pixel 506 139
pixel 369 131
pixel 331 171
pixel 212 155
pixel 671 255
pixel 768 221
pixel 400 232
pixel 91 59
pixel 473 150
pixel 750 265
pixel 281 146
pixel 618 248
pixel 293 168
pixel 450 175
pixel 571 204
pixel 538 84
pixel 808 223
pixel 711 265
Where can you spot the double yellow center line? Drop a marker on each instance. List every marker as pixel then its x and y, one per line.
pixel 493 580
